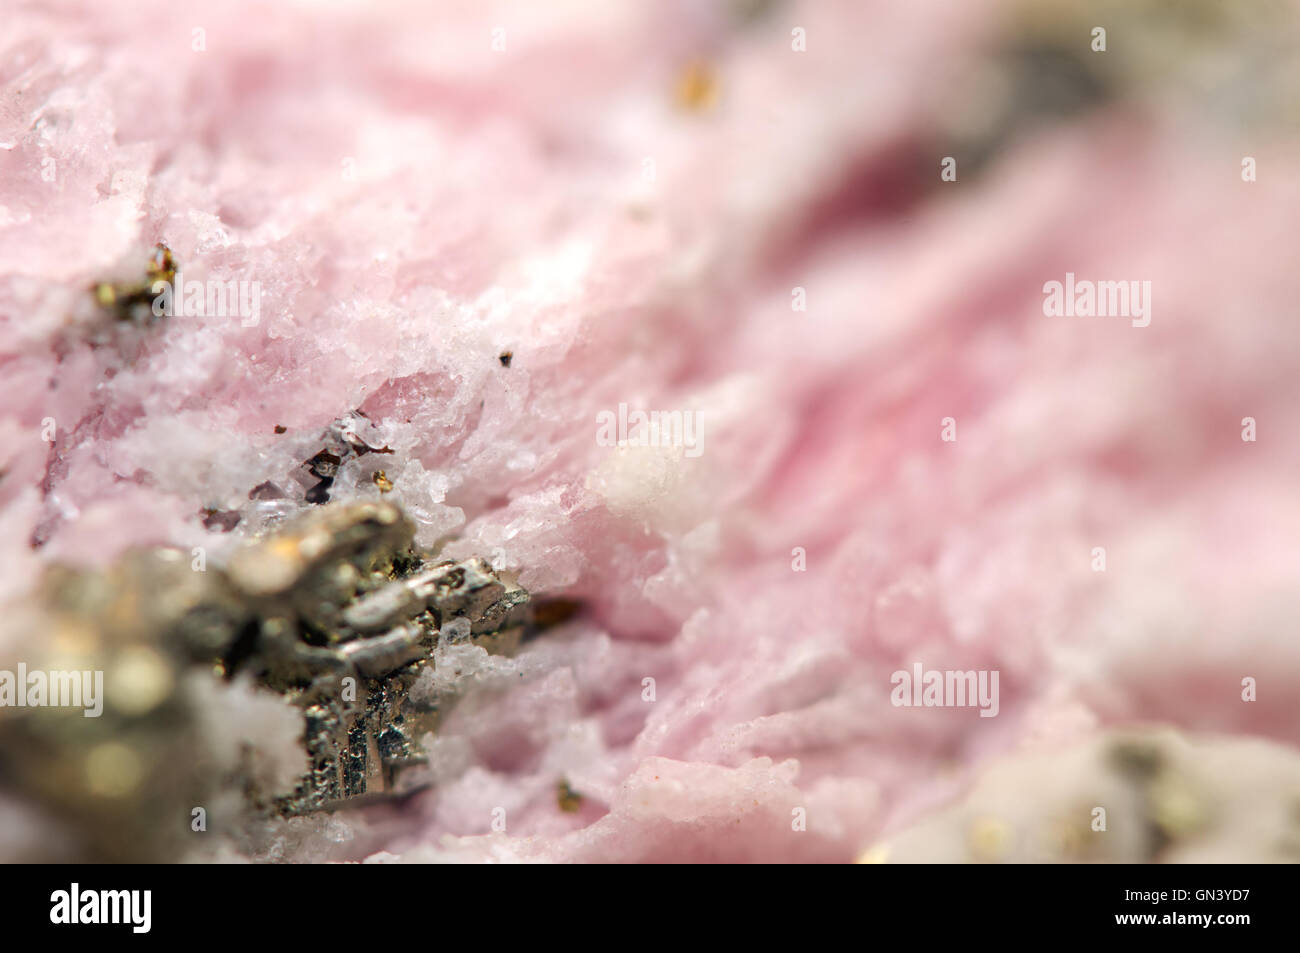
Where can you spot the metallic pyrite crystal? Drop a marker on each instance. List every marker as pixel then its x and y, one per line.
pixel 347 618
pixel 337 612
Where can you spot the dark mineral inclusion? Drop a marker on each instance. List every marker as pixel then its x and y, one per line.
pixel 338 611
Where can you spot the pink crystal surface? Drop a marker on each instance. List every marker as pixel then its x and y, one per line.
pixel 414 202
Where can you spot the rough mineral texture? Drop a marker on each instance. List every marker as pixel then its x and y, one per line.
pixel 477 227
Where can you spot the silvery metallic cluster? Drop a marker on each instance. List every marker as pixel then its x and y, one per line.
pixel 336 611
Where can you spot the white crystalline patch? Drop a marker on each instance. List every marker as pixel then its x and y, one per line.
pixel 211 233
pixel 237 718
pixel 1080 803
pixel 455 631
pixel 639 481
pixel 460 666
pixel 557 275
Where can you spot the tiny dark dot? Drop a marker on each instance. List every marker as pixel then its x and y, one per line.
pixel 506 357
pixel 280 428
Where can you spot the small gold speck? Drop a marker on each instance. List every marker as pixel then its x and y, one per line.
pixel 570 801
pixel 697 88
pixel 989 838
pixel 877 854
pixel 105 294
pixel 1176 808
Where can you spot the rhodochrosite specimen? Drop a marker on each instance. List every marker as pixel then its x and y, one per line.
pixel 648 431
